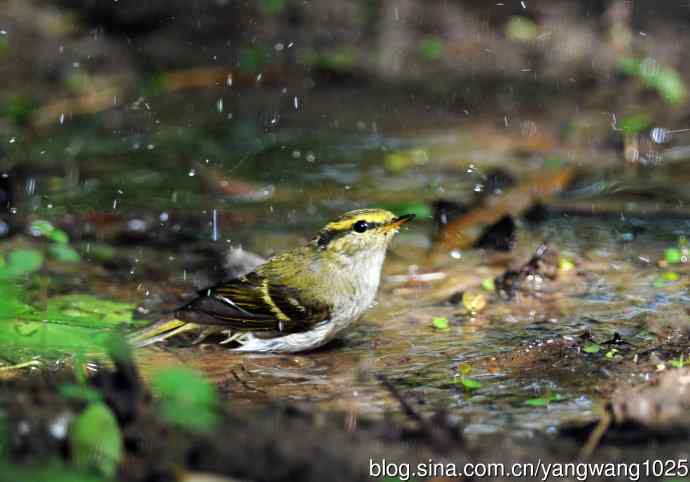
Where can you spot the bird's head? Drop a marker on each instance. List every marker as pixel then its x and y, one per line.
pixel 360 231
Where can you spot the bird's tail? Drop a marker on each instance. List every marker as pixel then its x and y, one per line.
pixel 159 331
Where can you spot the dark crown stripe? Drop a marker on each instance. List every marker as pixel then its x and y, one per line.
pixel 328 235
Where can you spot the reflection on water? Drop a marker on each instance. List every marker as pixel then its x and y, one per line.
pixel 396 339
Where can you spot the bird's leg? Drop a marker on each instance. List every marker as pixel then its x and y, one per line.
pixel 203 335
pixel 230 336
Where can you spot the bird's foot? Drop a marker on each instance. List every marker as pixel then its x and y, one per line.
pixel 231 336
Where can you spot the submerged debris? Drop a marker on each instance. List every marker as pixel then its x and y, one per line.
pixel 544 264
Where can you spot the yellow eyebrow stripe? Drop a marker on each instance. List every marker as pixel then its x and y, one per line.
pixel 370 217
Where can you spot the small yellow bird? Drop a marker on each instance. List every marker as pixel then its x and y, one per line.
pixel 298 300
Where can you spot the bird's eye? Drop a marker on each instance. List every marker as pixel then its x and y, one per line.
pixel 360 226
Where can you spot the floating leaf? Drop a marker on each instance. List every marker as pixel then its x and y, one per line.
pixel 664 278
pixel 440 322
pixel 187 399
pixel 591 348
pixel 678 362
pixel 398 161
pixel 489 284
pixel 673 256
pixel 565 264
pixel 521 29
pixel 95 440
pixel 545 400
pixel 470 383
pixel 611 353
pixel 431 47
pixel 634 124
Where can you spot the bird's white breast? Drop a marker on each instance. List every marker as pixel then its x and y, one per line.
pixel 359 277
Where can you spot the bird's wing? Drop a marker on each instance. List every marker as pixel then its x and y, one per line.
pixel 250 303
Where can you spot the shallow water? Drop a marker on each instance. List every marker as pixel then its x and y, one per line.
pixel 201 189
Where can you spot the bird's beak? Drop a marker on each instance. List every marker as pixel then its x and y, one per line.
pixel 399 221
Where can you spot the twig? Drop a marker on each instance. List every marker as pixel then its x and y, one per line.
pixel 596 435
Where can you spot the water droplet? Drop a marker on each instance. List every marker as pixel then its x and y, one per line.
pixel 219 105
pixel 136 225
pixel 456 254
pixel 215 232
pixel 660 135
pixel 13 140
pixel 191 173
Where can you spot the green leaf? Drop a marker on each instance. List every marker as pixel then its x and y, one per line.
pixel 252 58
pixel 64 253
pixel 271 7
pixel 634 124
pixel 489 284
pixel 470 383
pixel 565 264
pixel 521 29
pixel 399 161
pixel 69 324
pixel 678 362
pixel 187 399
pixel 95 440
pixel 545 400
pixel 17 109
pixel 666 81
pixel 665 278
pixel 673 255
pixel 431 47
pixel 611 353
pixel 21 262
pixel 49 472
pixel 84 393
pixel 44 228
pixel 89 311
pixel 4 437
pixel 591 348
pixel 440 323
